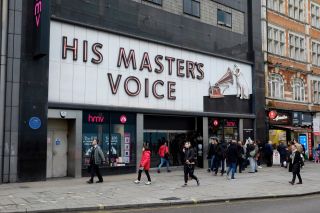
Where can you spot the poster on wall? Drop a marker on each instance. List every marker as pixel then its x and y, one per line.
pixel 87 139
pixel 127 143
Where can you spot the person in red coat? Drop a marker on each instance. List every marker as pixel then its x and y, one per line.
pixel 164 156
pixel 144 164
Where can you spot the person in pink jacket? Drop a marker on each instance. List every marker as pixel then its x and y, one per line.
pixel 144 164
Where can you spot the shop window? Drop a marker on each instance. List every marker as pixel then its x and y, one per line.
pixel 298 90
pixel 158 2
pixel 275 86
pixel 116 133
pixel 224 18
pixel 224 129
pixel 192 7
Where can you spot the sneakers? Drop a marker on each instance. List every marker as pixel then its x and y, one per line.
pixel 136 181
pixel 198 183
pixel 90 181
pixel 148 183
pixel 292 183
pixel 259 167
pixel 169 171
pixel 158 171
pixel 185 185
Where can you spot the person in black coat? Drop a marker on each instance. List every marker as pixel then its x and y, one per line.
pixel 295 166
pixel 189 163
pixel 232 157
pixel 220 157
pixel 241 156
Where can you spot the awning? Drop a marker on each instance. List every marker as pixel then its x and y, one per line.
pixel 294 128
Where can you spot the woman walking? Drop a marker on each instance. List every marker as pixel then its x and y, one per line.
pixel 189 163
pixel 144 164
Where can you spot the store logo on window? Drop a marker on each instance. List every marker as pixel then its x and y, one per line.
pixel 95 118
pixel 123 119
pixel 37 11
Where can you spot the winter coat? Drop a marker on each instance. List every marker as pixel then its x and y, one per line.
pixel 232 153
pixel 163 150
pixel 98 155
pixel 241 153
pixel 190 155
pixel 212 150
pixel 282 149
pixel 221 150
pixel 295 161
pixel 268 149
pixel 145 160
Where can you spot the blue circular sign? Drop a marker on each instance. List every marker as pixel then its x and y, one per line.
pixel 34 123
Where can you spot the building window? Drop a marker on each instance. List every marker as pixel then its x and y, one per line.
pixel 315 15
pixel 275 86
pixel 316 53
pixel 158 2
pixel 224 18
pixel 191 7
pixel 298 89
pixel 297 47
pixel 276 41
pixel 296 9
pixel 277 5
pixel 316 92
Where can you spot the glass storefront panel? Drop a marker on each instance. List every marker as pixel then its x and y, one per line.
pixel 224 129
pixel 116 133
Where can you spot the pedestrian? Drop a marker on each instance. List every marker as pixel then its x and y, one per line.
pixel 282 149
pixel 96 158
pixel 268 151
pixel 241 156
pixel 296 161
pixel 252 151
pixel 260 154
pixel 144 164
pixel 189 163
pixel 300 148
pixel 220 157
pixel 164 156
pixel 212 154
pixel 232 156
pixel 316 155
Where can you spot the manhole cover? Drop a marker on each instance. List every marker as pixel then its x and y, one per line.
pixel 170 198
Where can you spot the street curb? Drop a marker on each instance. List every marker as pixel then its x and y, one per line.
pixel 168 204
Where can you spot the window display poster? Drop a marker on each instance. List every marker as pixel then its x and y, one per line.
pixel 87 139
pixel 127 142
pixel 115 148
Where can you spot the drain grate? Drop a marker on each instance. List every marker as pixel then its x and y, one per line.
pixel 170 198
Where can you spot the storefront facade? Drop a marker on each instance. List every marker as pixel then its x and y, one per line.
pixel 154 76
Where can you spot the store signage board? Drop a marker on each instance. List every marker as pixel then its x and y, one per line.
pixel 92 67
pixel 281 118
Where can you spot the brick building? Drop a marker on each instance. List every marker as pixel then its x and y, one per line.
pixel 291 38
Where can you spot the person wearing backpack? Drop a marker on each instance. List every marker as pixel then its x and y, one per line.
pixel 164 156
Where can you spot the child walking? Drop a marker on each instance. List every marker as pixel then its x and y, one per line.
pixel 144 164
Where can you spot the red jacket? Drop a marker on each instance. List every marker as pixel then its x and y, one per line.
pixel 145 159
pixel 163 150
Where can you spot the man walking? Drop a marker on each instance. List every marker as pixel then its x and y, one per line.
pixel 96 158
pixel 220 157
pixel 232 156
pixel 189 163
pixel 164 156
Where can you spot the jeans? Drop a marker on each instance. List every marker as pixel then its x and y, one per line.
pixel 212 162
pixel 253 164
pixel 162 161
pixel 219 161
pixel 232 168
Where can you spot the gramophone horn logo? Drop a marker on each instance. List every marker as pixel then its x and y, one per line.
pixel 227 80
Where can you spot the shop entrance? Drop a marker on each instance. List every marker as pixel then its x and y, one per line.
pixel 175 140
pixel 57 148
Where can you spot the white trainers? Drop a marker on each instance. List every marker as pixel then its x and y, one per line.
pixel 259 167
pixel 136 181
pixel 148 183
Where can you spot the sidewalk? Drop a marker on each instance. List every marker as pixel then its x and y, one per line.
pixel 120 191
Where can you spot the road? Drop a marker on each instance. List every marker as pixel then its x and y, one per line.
pixel 308 204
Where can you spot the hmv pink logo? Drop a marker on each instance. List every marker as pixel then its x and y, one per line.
pixel 95 118
pixel 37 11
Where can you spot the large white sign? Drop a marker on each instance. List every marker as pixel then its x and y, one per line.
pixel 98 68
